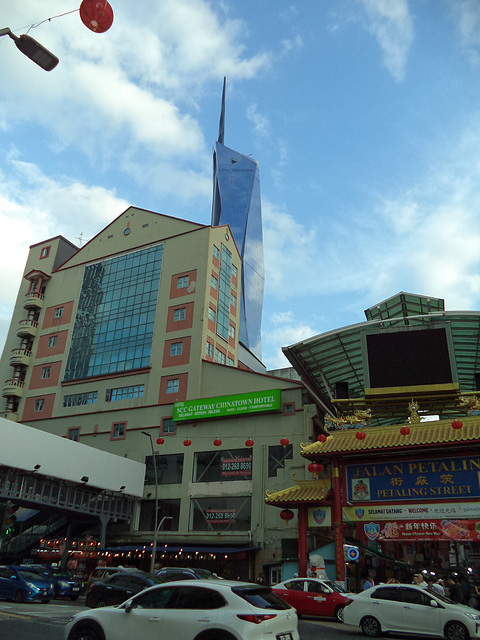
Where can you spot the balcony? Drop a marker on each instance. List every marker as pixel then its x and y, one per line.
pixel 27 328
pixel 34 300
pixel 20 357
pixel 13 387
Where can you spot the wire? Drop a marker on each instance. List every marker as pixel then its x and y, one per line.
pixel 35 25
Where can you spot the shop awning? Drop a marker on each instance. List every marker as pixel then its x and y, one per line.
pixel 177 548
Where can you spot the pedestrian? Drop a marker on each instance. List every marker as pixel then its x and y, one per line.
pixel 260 579
pixel 455 590
pixel 437 586
pixel 419 580
pixel 368 583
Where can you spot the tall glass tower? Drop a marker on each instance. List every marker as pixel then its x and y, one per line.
pixel 236 201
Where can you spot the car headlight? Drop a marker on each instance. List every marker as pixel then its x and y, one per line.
pixel 63 584
pixel 32 587
pixel 473 616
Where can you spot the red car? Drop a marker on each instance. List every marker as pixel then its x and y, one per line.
pixel 314 597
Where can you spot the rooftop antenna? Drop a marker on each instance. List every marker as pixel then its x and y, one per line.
pixel 80 238
pixel 221 127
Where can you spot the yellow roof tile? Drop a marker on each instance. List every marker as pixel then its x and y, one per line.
pixel 381 438
pixel 304 492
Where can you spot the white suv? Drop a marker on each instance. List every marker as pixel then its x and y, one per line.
pixel 191 610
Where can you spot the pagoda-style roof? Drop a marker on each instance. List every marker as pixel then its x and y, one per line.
pixel 307 492
pixel 382 439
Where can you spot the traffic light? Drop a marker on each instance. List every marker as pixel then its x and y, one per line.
pixel 9 519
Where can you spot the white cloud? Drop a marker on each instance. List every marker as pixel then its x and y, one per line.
pixel 466 14
pixel 283 329
pixel 260 121
pixel 390 22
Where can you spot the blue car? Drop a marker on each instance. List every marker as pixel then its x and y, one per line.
pixel 64 584
pixel 23 585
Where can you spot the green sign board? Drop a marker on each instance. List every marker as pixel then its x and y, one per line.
pixel 222 406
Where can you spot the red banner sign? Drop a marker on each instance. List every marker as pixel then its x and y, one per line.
pixel 423 530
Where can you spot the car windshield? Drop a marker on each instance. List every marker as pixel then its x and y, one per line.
pixel 261 597
pixel 30 575
pixel 335 586
pixel 206 575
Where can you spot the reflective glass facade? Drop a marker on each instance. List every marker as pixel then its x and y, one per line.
pixel 113 328
pixel 236 201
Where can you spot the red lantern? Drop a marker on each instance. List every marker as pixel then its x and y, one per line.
pixel 286 515
pixel 322 438
pixel 457 424
pixel 360 435
pixel 284 442
pixel 97 15
pixel 160 440
pixel 405 431
pixel 217 442
pixel 249 443
pixel 187 442
pixel 315 467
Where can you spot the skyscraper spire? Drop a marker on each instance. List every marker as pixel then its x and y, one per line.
pixel 221 126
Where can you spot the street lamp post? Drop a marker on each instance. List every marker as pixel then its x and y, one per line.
pixel 155 529
pixel 32 49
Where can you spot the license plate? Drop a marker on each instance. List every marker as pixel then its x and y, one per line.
pixel 284 636
pixel 75 588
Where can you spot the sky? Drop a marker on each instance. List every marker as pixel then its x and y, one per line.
pixel 364 116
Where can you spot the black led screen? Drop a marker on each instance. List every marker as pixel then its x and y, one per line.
pixel 408 358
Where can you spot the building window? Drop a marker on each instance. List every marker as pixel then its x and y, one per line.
pixel 231 331
pixel 52 341
pixel 44 253
pixel 234 271
pixel 213 282
pixel 230 362
pixel 216 252
pixel 79 399
pixel 39 404
pixel 233 300
pixel 223 466
pixel 58 312
pixel 211 314
pixel 224 292
pixel 182 282
pixel 209 349
pixel 46 372
pixel 115 318
pixel 173 385
pixel 288 408
pixel 277 455
pixel 221 514
pixel 179 314
pixel 118 430
pixel 167 426
pixel 73 434
pixel 176 348
pixel 220 356
pixel 124 393
pixel 169 469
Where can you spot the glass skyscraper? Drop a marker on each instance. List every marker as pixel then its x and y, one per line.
pixel 236 201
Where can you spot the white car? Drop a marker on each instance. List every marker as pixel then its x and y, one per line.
pixel 191 610
pixel 407 608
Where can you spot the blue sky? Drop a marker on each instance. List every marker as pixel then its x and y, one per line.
pixel 363 114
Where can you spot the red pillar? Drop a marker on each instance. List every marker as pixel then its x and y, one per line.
pixel 337 522
pixel 302 541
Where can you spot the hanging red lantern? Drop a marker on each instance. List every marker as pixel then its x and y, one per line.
pixel 286 515
pixel 315 467
pixel 360 435
pixel 284 442
pixel 187 442
pixel 217 442
pixel 97 15
pixel 249 443
pixel 160 440
pixel 405 431
pixel 457 424
pixel 322 438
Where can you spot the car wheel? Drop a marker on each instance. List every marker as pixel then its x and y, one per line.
pixel 85 632
pixel 19 596
pixel 456 631
pixel 371 627
pixel 339 613
pixel 215 634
